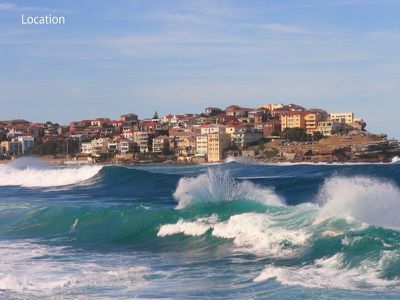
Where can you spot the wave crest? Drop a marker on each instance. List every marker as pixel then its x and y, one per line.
pixel 369 200
pixel 32 173
pixel 218 186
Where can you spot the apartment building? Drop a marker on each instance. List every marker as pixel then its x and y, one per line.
pixel 293 119
pixel 161 144
pixel 329 128
pixel 216 145
pixel 313 117
pixel 213 128
pixel 347 117
pixel 201 145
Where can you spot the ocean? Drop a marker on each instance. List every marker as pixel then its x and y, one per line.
pixel 236 230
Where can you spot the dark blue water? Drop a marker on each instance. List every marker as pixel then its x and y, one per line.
pixel 233 230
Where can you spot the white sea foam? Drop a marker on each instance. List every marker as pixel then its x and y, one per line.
pixel 259 234
pixel 196 228
pixel 395 159
pixel 33 173
pixel 331 272
pixel 217 186
pixel 40 271
pixel 255 233
pixel 369 200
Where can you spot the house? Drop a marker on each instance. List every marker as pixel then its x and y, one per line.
pixel 128 119
pixel 120 145
pixel 237 111
pixel 101 122
pixel 212 111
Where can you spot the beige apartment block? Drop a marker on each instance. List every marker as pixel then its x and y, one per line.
pixel 217 144
pixel 293 120
pixel 347 117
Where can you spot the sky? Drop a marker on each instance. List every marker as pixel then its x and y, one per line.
pixel 115 57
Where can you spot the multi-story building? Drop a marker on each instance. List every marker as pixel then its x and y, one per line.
pixel 271 127
pixel 26 143
pixel 120 145
pixel 246 137
pixel 11 147
pixel 201 145
pixel 161 144
pixel 347 117
pixel 329 128
pixel 313 117
pixel 216 145
pixel 95 147
pixel 293 119
pixel 213 128
pixel 185 144
pixel 143 140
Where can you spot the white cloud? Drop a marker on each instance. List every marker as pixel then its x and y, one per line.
pixel 8 6
pixel 281 28
pixel 14 6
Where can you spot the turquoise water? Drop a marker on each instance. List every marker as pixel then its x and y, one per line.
pixel 232 230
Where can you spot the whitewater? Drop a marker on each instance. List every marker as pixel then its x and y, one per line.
pixel 235 230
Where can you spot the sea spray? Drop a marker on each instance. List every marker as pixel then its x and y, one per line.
pixel 366 199
pixel 218 186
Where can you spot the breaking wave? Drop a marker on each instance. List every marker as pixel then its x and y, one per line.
pixel 34 173
pixel 217 186
pixel 369 200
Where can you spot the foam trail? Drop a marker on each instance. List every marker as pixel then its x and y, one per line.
pixel 331 272
pixel 217 186
pixel 395 159
pixel 34 173
pixel 365 199
pixel 26 271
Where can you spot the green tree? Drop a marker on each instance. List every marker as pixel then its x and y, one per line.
pixel 317 136
pixel 295 135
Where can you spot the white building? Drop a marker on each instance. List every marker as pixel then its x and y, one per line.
pixel 26 143
pixel 95 147
pixel 245 138
pixel 161 144
pixel 346 117
pixel 201 145
pixel 143 140
pixel 213 128
pixel 329 128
